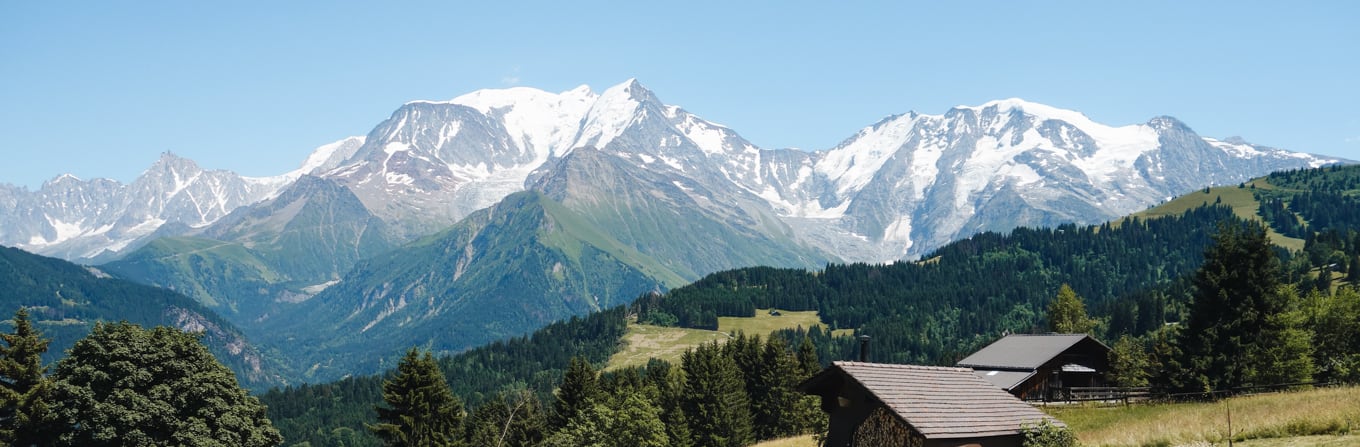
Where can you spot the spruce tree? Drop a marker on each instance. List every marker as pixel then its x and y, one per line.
pixel 579 391
pixel 422 410
pixel 715 400
pixel 774 402
pixel 123 385
pixel 1239 331
pixel 25 413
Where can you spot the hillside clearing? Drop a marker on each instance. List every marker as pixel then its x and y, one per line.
pixel 1269 420
pixel 1241 200
pixel 644 341
pixel 764 323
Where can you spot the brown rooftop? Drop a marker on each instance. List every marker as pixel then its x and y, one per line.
pixel 941 402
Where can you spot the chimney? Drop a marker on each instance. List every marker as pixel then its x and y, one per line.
pixel 864 348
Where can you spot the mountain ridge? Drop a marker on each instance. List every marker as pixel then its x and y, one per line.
pixel 893 190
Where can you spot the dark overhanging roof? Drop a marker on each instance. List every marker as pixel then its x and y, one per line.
pixel 938 402
pixel 1023 352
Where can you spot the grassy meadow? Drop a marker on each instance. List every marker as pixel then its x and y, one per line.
pixel 1320 417
pixel 1241 200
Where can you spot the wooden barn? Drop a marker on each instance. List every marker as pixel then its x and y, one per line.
pixel 877 404
pixel 1039 366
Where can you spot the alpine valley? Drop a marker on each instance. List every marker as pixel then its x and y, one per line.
pixel 455 223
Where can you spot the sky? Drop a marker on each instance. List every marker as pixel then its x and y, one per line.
pixel 101 89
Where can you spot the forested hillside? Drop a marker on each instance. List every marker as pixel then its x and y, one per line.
pixel 968 293
pixel 65 300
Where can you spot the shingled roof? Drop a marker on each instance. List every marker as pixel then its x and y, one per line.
pixel 1022 351
pixel 941 402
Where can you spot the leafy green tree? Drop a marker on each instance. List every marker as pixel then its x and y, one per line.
pixel 715 400
pixel 1239 331
pixel 628 420
pixel 580 390
pixel 1337 336
pixel 25 412
pixel 123 385
pixel 423 410
pixel 1067 313
pixel 1129 363
pixel 509 420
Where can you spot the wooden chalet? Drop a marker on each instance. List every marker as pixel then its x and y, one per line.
pixel 885 405
pixel 1040 366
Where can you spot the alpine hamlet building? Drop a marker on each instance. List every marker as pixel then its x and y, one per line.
pixel 1039 366
pixel 885 405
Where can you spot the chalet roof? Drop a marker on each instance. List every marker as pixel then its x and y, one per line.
pixel 1022 351
pixel 940 402
pixel 1006 380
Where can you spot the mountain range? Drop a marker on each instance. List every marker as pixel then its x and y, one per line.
pixel 453 223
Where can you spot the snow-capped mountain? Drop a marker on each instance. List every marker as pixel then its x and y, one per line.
pixel 913 182
pixel 88 220
pixel 895 189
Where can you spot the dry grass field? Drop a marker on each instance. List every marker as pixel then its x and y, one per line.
pixel 1313 417
pixel 796 441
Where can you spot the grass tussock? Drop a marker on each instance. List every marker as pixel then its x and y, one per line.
pixel 1328 411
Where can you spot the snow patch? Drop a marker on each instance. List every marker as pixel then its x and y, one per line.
pixel 854 163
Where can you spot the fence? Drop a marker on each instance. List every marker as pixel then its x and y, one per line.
pixel 1141 394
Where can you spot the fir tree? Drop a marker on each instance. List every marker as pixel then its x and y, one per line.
pixel 25 413
pixel 422 409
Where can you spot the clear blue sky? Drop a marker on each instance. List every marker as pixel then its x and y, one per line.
pixel 99 89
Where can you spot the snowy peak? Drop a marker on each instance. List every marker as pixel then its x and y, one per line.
pixel 613 112
pixel 543 122
pixel 329 156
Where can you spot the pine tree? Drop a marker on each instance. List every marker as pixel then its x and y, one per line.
pixel 423 410
pixel 715 400
pixel 579 391
pixel 1067 313
pixel 25 413
pixel 124 385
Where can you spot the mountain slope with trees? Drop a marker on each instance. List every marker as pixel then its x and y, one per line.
pixel 66 300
